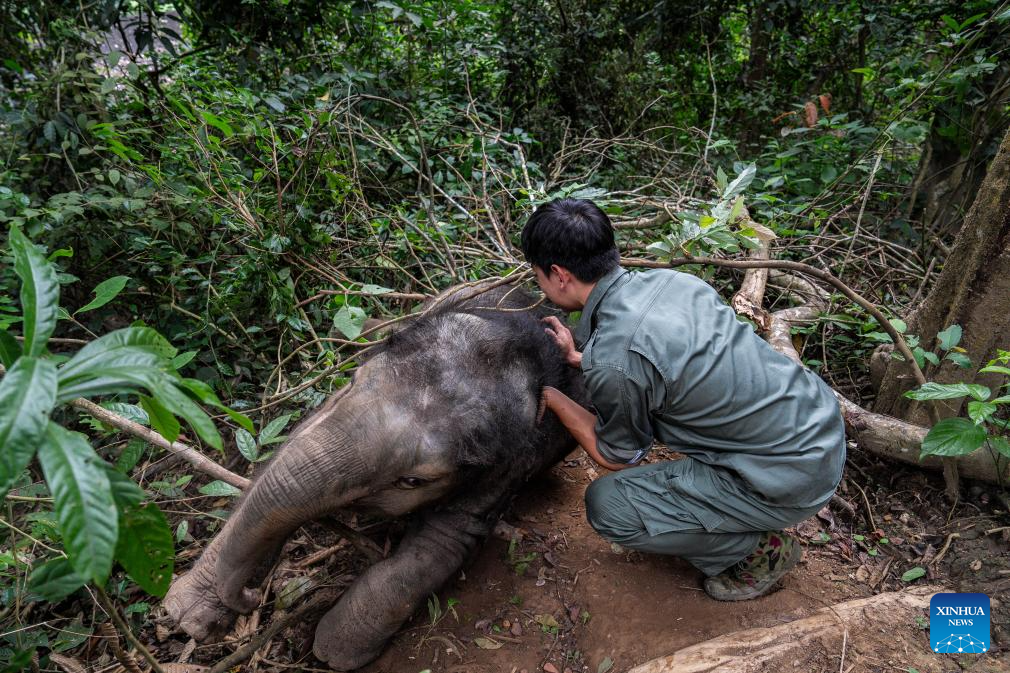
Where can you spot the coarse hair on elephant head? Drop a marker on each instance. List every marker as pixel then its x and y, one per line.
pixel 441 422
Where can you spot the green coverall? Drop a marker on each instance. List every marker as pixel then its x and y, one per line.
pixel 666 359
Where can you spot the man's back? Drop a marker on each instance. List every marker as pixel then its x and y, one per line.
pixel 692 375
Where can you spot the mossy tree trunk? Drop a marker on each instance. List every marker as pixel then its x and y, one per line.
pixel 973 291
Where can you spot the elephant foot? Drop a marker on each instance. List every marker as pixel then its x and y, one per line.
pixel 341 645
pixel 240 599
pixel 193 604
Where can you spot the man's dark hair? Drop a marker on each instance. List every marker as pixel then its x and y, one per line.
pixel 574 234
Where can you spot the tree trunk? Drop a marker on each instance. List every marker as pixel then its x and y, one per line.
pixel 757 59
pixel 864 32
pixel 973 291
pixel 962 139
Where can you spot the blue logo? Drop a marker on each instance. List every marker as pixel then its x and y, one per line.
pixel 959 623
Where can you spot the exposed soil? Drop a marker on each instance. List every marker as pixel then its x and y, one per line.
pixel 628 607
pixel 625 606
pixel 559 598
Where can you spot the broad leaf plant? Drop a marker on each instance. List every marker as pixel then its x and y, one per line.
pixel 987 424
pixel 102 515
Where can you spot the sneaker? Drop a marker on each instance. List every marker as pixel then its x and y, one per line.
pixel 757 574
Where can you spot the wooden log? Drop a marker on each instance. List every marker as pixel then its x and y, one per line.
pixel 753 650
pixel 879 434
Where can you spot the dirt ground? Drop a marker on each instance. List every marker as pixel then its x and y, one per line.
pixel 616 609
pixel 557 598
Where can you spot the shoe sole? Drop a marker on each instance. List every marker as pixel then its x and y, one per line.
pixel 764 590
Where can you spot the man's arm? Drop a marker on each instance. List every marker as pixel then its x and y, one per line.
pixel 580 422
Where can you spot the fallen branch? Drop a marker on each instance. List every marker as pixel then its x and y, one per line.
pixel 201 462
pixel 362 543
pixel 661 218
pixel 187 453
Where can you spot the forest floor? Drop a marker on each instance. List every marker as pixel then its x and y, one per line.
pixel 562 600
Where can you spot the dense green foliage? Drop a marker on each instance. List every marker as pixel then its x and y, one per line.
pixel 254 180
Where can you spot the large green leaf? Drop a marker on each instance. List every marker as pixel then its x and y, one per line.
pixel 10 349
pixel 110 380
pixel 146 548
pixel 913 574
pixel 350 320
pixel 981 411
pixel 179 404
pixel 952 437
pixel 130 455
pixel 40 292
pixel 105 292
pixel 218 488
pixel 125 492
pixel 271 433
pixel 947 391
pixel 959 359
pixel 1000 445
pixel 162 387
pixel 83 497
pixel 27 395
pixel 130 412
pixel 218 123
pixel 206 394
pixel 162 420
pixel 740 182
pixel 119 346
pixel 55 579
pixel 246 444
pixel 104 367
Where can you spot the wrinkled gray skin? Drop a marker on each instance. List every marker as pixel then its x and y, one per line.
pixel 441 422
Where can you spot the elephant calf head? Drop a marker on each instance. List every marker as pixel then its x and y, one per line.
pixel 445 411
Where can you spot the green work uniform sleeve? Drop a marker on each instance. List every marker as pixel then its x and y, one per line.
pixel 623 397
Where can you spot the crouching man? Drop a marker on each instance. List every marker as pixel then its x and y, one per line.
pixel 666 359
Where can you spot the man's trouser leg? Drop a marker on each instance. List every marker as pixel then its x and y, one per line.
pixel 685 508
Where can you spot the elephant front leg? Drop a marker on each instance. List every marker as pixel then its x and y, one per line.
pixel 355 631
pixel 192 601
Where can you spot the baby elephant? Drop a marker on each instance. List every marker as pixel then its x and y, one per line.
pixel 442 421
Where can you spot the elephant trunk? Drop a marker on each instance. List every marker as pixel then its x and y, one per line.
pixel 317 472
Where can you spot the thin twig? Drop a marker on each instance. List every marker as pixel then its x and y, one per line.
pixel 869 510
pixel 319 600
pixel 944 548
pixel 124 630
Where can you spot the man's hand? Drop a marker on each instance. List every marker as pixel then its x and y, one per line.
pixel 564 339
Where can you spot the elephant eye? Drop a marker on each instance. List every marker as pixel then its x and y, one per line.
pixel 410 482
